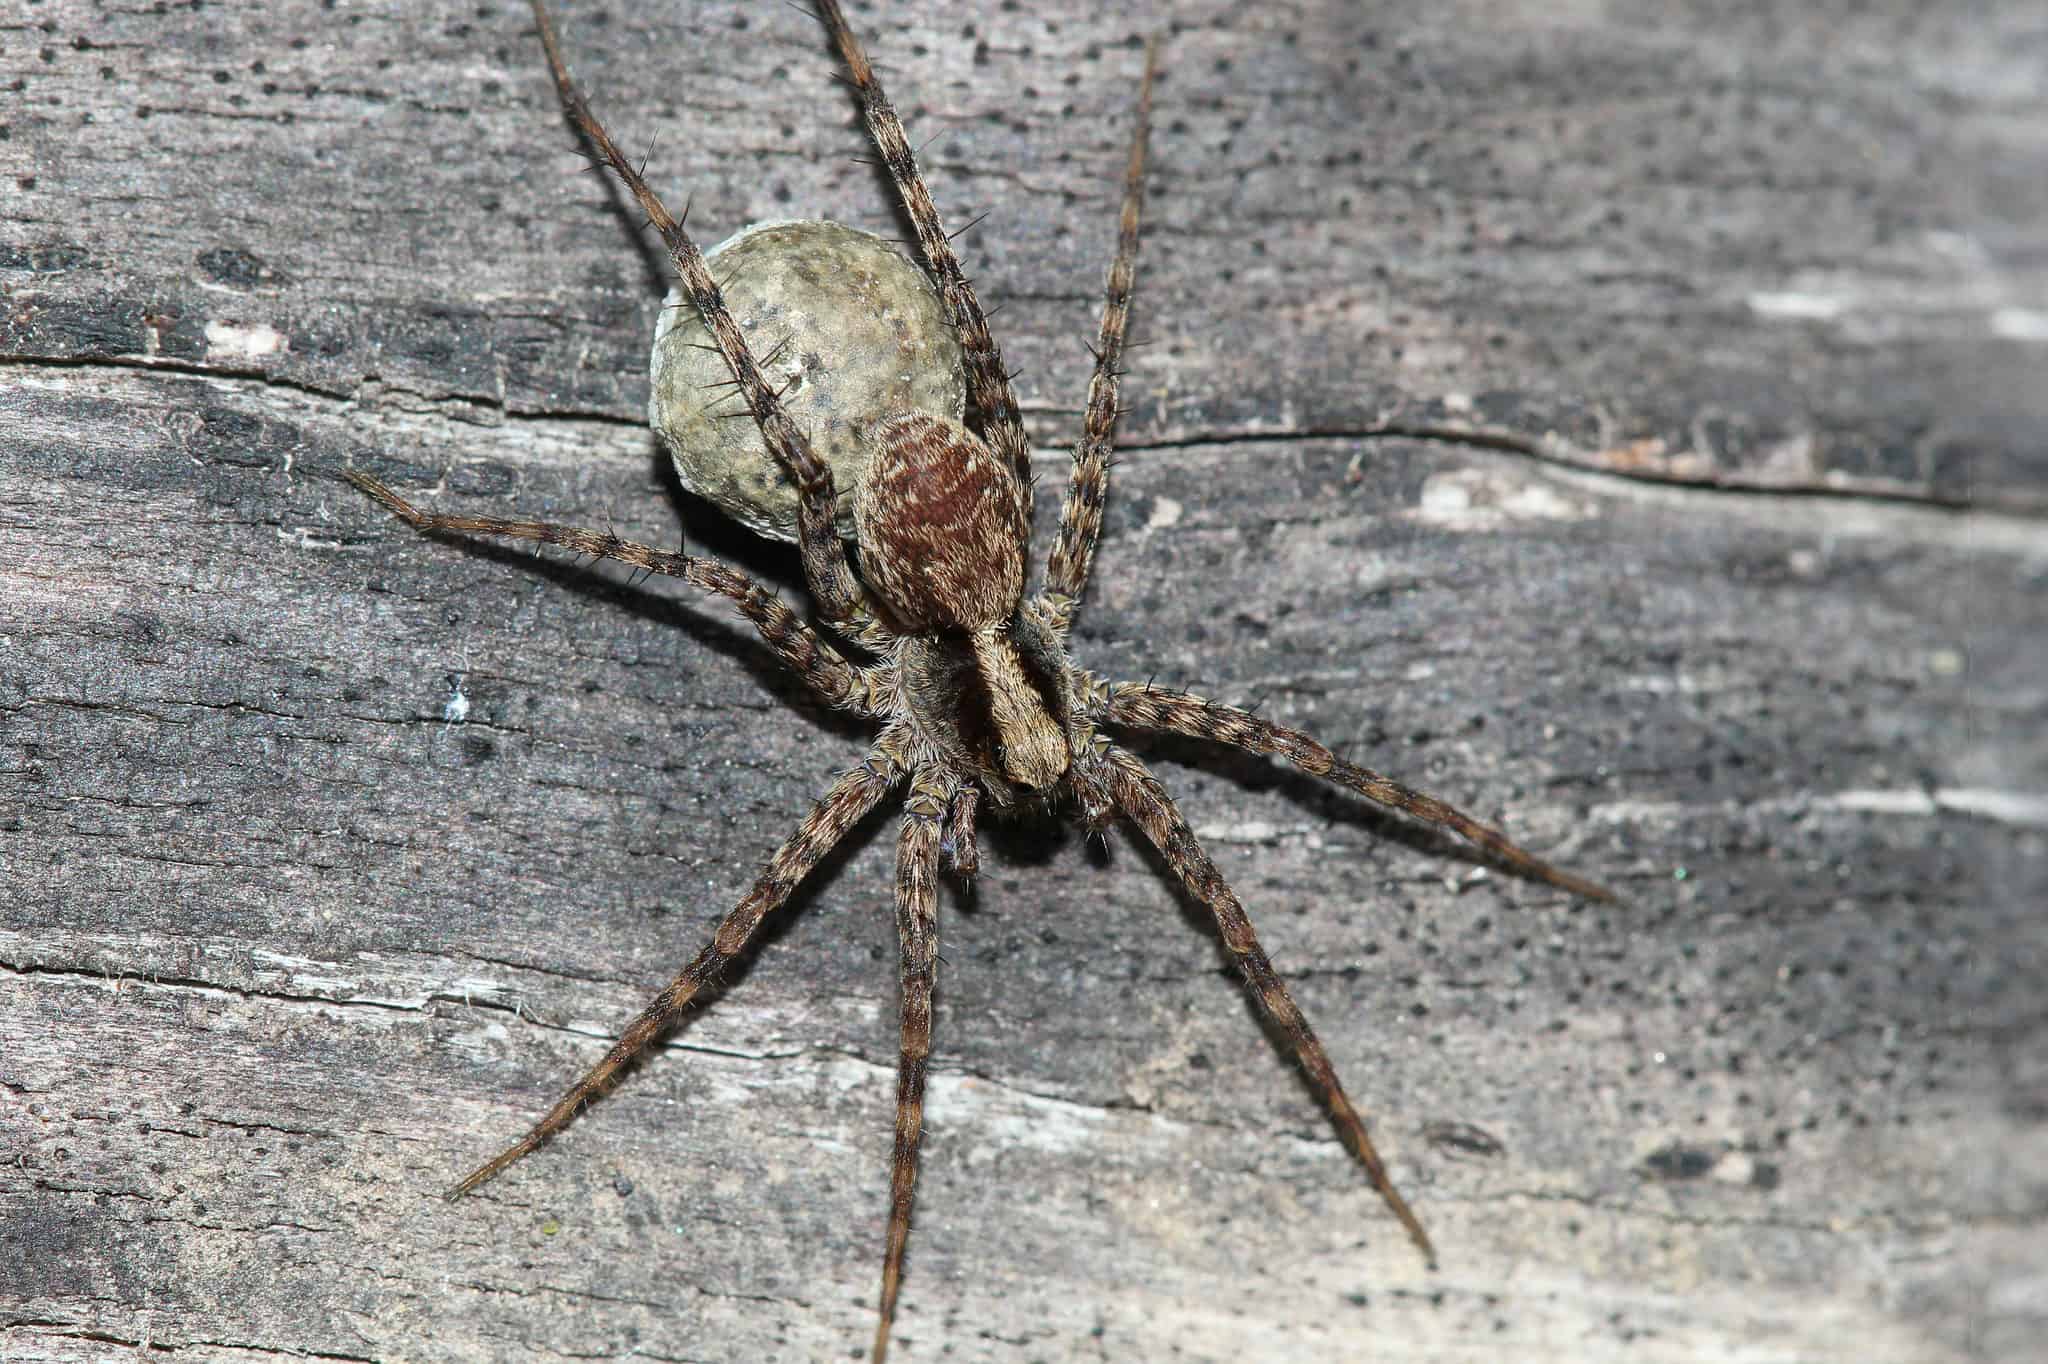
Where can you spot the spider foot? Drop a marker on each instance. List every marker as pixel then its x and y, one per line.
pixel 495 1166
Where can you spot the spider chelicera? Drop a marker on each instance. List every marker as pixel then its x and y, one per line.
pixel 938 643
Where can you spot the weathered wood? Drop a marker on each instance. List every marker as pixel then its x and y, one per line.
pixel 331 855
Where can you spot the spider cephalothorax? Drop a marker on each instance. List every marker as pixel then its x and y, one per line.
pixel 943 529
pixel 967 676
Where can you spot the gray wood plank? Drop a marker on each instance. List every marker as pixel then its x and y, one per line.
pixel 1622 422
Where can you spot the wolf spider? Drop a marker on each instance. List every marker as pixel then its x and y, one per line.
pixel 967 677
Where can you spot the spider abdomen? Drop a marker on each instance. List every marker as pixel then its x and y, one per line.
pixel 846 329
pixel 943 526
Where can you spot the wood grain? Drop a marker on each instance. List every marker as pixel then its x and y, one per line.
pixel 1622 421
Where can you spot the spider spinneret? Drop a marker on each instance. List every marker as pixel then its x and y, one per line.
pixel 967 677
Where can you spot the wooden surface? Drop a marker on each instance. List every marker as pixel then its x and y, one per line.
pixel 1627 422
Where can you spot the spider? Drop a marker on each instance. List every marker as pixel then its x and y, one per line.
pixel 938 643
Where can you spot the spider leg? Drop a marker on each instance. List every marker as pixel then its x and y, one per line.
pixel 1081 518
pixel 830 577
pixel 957 843
pixel 917 926
pixel 837 811
pixel 1142 706
pixel 802 650
pixel 988 383
pixel 1140 796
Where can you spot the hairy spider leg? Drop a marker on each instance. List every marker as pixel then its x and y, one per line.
pixel 1161 710
pixel 838 594
pixel 800 648
pixel 988 382
pixel 1073 552
pixel 1145 802
pixel 957 843
pixel 917 923
pixel 842 807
